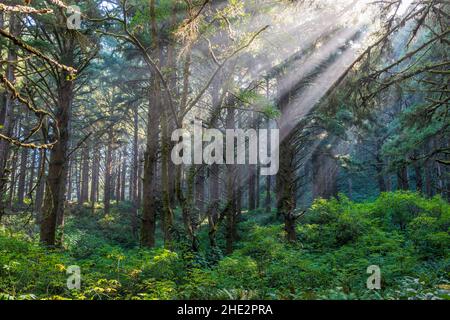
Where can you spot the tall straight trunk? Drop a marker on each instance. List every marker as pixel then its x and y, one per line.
pixel 165 182
pixel 286 189
pixel 252 177
pixel 200 189
pixel 214 172
pixel 40 185
pixel 251 187
pixel 429 168
pixel 153 125
pixel 231 201
pixel 324 174
pixel 174 88
pixel 148 185
pixel 230 212
pixel 78 181
pixel 118 177
pixel 419 179
pixel 258 186
pixel 108 174
pixel 286 185
pixel 22 175
pixel 135 163
pixel 402 178
pixel 13 180
pixel 440 170
pixel 23 163
pixel 123 176
pixel 134 183
pixel 95 176
pixel 388 183
pixel 166 124
pixel 32 172
pixel 447 172
pixel 440 179
pixel 84 195
pixel 268 199
pixel 257 176
pixel 186 201
pixel 380 178
pixel 237 211
pixel 113 180
pixel 428 179
pixel 140 181
pixel 6 113
pixel 70 179
pixel 213 209
pixel 53 208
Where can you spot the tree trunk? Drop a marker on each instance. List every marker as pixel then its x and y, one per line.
pixel 419 179
pixel 13 180
pixel 118 175
pixel 53 208
pixel 108 174
pixel 268 200
pixel 165 182
pixel 230 210
pixel 213 209
pixel 258 186
pixel 402 178
pixel 22 175
pixel 69 179
pixel 134 183
pixel 32 173
pixel 380 178
pixel 148 185
pixel 251 187
pixel 123 177
pixel 286 189
pixel 200 189
pixel 6 113
pixel 95 176
pixel 286 184
pixel 325 170
pixel 78 177
pixel 84 196
pixel 40 186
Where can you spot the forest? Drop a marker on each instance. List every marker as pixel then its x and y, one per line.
pixel 224 150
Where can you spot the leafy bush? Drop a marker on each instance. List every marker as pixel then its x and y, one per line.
pixel 402 232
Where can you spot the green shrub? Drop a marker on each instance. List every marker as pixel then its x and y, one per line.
pixel 237 271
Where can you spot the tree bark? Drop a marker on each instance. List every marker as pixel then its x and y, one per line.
pixel 108 174
pixel 134 183
pixel 84 195
pixel 22 175
pixel 40 186
pixel 419 179
pixel 53 208
pixel 6 113
pixel 380 178
pixel 325 170
pixel 402 178
pixel 95 176
pixel 123 177
pixel 148 185
pixel 231 201
pixel 32 173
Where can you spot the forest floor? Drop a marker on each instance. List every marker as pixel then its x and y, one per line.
pixel 404 235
